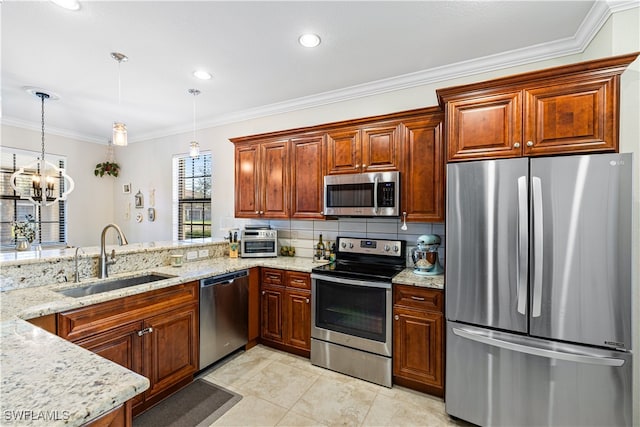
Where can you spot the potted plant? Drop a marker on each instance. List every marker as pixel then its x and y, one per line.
pixel 24 233
pixel 108 168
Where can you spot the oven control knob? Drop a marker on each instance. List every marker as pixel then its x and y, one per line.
pixel 350 245
pixel 396 248
pixel 387 248
pixel 344 245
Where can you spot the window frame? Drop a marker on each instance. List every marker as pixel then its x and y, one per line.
pixel 191 229
pixel 56 226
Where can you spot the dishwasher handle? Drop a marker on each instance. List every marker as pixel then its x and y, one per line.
pixel 223 279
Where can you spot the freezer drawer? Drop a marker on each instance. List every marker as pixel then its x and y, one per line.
pixel 495 378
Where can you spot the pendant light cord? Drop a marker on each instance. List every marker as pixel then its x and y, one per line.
pixel 194 114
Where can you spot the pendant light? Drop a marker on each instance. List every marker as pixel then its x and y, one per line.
pixel 119 128
pixel 37 180
pixel 194 147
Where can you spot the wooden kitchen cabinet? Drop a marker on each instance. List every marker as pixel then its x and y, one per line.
pixel 307 177
pixel 372 148
pixel 423 168
pixel 568 109
pixel 254 307
pixel 418 338
pixel 262 180
pixel 154 334
pixel 286 310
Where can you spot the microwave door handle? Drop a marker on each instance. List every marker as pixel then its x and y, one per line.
pixel 375 195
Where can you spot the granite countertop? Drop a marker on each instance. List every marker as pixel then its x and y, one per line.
pixel 47 380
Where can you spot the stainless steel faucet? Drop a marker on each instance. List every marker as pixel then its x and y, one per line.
pixel 103 255
pixel 76 273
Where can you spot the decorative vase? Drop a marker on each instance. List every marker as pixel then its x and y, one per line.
pixel 22 244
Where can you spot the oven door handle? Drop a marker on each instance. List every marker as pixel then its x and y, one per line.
pixel 344 281
pixel 375 195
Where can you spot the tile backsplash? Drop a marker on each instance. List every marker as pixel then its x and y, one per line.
pixel 303 235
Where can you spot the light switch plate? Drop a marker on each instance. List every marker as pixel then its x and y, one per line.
pixel 203 253
pixel 192 255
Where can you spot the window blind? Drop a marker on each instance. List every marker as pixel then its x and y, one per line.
pixel 192 184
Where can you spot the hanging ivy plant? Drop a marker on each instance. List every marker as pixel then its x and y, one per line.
pixel 108 168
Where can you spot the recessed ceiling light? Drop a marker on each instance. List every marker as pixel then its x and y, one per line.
pixel 309 40
pixel 202 75
pixel 68 4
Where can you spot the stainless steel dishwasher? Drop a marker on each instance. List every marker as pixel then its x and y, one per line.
pixel 223 315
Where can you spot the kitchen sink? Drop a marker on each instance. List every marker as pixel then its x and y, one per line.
pixel 112 285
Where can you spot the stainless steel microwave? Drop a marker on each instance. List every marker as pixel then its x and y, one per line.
pixel 362 194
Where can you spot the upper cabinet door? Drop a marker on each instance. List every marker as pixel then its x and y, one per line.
pixel 247 181
pixel 381 149
pixel 486 127
pixel 274 186
pixel 423 170
pixel 580 116
pixel 307 176
pixel 343 151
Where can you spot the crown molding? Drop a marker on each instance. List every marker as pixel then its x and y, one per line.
pixel 23 124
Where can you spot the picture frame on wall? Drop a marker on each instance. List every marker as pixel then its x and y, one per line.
pixel 139 200
pixel 126 188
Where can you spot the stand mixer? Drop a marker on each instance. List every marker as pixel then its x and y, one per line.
pixel 425 255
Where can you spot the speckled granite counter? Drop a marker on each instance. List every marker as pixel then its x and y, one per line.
pixel 45 377
pixel 48 381
pixel 408 277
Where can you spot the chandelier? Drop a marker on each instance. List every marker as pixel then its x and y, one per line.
pixel 37 181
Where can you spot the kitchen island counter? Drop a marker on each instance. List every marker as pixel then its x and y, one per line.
pixel 48 381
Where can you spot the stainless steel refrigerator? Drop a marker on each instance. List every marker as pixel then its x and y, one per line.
pixel 538 291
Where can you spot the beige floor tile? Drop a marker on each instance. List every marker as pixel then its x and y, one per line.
pixel 252 411
pixel 291 419
pixel 241 367
pixel 335 402
pixel 386 411
pixel 279 383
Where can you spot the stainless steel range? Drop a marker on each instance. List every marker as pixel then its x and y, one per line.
pixel 351 313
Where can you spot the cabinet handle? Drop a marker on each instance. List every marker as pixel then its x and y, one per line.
pixel 264 292
pixel 396 317
pixel 417 298
pixel 364 166
pixel 516 145
pixel 145 331
pixel 529 143
pixel 261 212
pixel 257 212
pixel 307 300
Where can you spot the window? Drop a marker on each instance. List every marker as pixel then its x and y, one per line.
pixel 192 196
pixel 50 220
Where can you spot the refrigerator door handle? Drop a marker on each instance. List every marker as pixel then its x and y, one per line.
pixel 536 185
pixel 523 245
pixel 536 351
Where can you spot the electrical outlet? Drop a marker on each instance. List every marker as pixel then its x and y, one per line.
pixel 203 253
pixel 192 255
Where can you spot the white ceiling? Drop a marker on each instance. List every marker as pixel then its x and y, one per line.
pixel 252 51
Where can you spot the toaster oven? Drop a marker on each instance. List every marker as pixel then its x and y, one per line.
pixel 258 242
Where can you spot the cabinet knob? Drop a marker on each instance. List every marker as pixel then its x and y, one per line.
pixel 396 317
pixel 516 145
pixel 261 212
pixel 364 166
pixel 357 166
pixel 307 300
pixel 257 212
pixel 264 292
pixel 529 143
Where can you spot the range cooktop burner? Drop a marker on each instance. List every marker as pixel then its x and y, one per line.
pixel 366 259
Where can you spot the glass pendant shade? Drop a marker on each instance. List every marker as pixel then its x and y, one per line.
pixel 194 149
pixel 119 134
